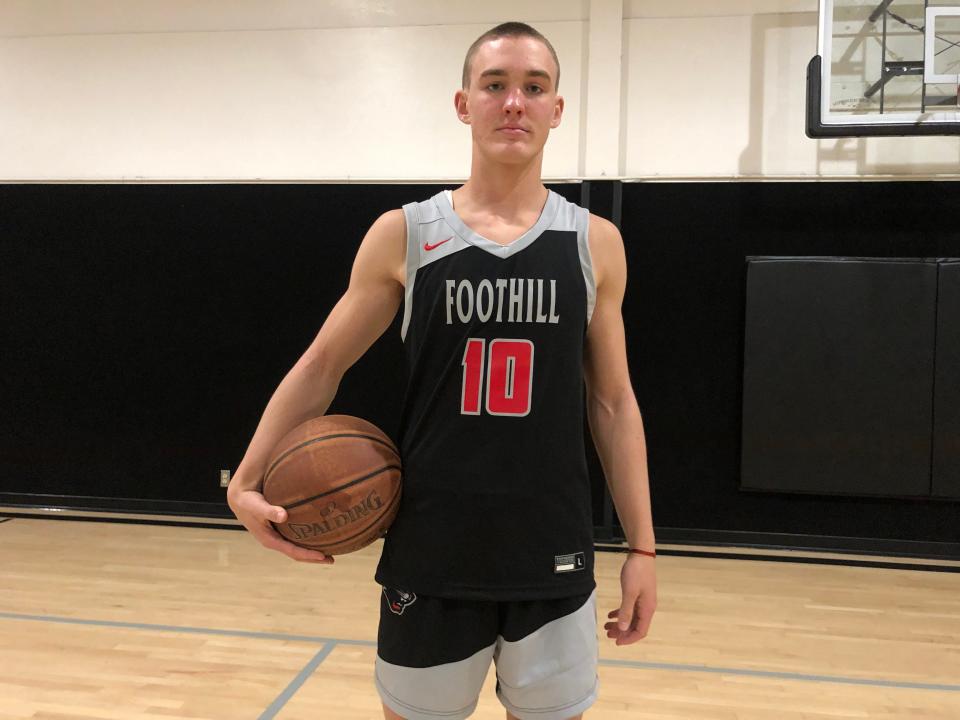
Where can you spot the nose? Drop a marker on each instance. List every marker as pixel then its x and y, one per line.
pixel 513 102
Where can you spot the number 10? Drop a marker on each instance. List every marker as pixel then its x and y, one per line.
pixel 509 377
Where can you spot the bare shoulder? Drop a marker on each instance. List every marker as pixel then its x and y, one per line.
pixel 606 249
pixel 384 248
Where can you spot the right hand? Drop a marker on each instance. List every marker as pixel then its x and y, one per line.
pixel 256 514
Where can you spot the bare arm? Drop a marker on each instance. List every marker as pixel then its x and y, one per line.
pixel 612 409
pixel 617 429
pixel 361 316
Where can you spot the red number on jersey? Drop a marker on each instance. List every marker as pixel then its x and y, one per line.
pixel 472 376
pixel 509 377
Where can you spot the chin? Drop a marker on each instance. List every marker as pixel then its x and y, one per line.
pixel 514 153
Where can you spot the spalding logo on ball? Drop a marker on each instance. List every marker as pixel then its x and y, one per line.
pixel 338 478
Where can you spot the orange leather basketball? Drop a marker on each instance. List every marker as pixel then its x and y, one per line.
pixel 338 477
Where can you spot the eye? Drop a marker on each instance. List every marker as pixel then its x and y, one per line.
pixel 493 86
pixel 536 89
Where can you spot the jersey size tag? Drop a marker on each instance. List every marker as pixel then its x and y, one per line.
pixel 569 563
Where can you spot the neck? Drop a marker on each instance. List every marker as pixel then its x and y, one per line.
pixel 503 189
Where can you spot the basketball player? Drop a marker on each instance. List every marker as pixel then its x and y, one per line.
pixel 511 300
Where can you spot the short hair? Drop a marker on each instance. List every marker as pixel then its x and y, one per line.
pixel 508 29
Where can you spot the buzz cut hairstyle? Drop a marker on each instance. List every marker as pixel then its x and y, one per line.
pixel 508 29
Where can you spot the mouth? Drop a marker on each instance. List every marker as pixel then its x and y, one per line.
pixel 512 130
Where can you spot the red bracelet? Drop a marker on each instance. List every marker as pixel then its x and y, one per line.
pixel 643 552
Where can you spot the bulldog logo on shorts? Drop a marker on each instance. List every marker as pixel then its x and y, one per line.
pixel 398 600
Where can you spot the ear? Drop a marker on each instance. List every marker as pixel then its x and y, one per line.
pixel 557 112
pixel 460 102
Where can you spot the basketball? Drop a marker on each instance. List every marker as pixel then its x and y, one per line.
pixel 338 478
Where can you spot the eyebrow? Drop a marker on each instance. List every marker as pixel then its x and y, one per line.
pixel 500 73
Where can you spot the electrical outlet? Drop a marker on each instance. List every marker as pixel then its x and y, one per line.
pixel 224 478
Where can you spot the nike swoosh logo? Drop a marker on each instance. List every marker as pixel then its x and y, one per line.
pixel 428 247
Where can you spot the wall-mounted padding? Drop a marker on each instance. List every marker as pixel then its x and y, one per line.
pixel 946 398
pixel 838 375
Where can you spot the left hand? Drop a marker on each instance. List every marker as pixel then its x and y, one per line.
pixel 638 585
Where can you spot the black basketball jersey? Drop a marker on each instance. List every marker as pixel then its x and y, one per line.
pixel 496 497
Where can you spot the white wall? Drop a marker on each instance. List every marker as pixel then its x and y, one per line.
pixel 303 90
pixel 720 91
pixel 278 104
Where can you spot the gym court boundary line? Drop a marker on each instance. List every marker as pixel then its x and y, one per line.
pixel 795 555
pixel 329 644
pixel 777 545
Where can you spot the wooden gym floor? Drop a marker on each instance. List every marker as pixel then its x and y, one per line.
pixel 137 622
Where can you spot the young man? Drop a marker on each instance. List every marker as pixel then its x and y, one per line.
pixel 511 298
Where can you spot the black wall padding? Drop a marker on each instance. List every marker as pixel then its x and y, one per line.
pixel 946 437
pixel 146 326
pixel 838 375
pixel 684 311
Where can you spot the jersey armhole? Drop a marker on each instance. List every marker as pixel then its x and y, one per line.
pixel 411 213
pixel 586 259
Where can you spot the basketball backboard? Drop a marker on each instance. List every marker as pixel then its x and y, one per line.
pixel 885 67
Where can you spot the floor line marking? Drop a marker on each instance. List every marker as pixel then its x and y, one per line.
pixel 783 675
pixel 330 643
pixel 185 629
pixel 289 691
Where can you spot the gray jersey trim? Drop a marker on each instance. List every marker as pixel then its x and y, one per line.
pixel 573 217
pixel 411 212
pixel 586 259
pixel 435 231
pixel 429 238
pixel 546 220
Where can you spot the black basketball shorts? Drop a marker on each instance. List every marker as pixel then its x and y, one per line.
pixel 433 655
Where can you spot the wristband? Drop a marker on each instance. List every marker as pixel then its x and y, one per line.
pixel 643 552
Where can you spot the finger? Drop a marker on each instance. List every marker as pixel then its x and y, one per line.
pixel 623 637
pixel 645 615
pixel 615 626
pixel 304 555
pixel 298 552
pixel 629 637
pixel 625 618
pixel 253 501
pixel 612 628
pixel 301 554
pixel 273 513
pixel 273 540
pixel 637 631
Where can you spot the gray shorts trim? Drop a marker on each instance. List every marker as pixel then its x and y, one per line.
pixel 413 713
pixel 556 713
pixel 552 672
